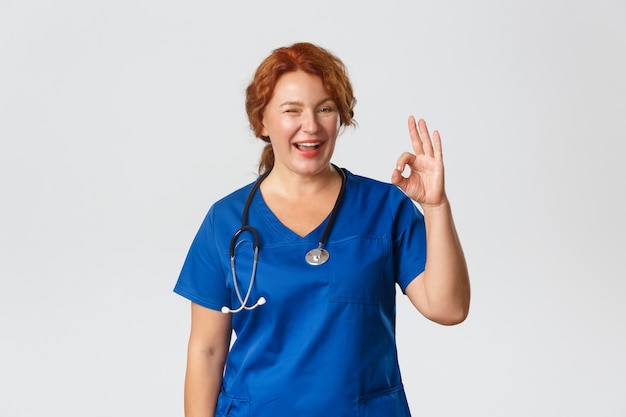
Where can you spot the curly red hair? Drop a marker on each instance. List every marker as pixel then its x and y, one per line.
pixel 306 57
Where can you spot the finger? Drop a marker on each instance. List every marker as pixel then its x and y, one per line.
pixel 438 153
pixel 399 180
pixel 405 159
pixel 425 136
pixel 415 137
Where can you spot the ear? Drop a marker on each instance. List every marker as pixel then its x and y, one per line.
pixel 264 132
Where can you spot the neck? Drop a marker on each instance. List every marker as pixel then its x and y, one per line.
pixel 293 185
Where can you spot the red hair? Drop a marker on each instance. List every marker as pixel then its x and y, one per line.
pixel 306 57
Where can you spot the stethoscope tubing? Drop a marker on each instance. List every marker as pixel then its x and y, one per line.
pixel 245 227
pixel 244 302
pixel 233 244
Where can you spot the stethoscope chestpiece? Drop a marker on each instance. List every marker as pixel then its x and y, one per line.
pixel 317 256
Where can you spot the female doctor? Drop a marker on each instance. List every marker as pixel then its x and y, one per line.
pixel 303 263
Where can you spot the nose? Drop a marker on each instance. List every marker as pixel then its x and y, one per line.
pixel 309 122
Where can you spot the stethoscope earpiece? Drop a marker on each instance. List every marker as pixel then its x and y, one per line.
pixel 260 302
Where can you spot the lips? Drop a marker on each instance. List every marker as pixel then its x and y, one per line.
pixel 307 146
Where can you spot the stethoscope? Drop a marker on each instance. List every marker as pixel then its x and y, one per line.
pixel 316 256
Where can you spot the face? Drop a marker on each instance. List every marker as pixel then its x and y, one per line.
pixel 302 123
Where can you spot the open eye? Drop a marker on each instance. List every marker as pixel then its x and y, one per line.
pixel 326 109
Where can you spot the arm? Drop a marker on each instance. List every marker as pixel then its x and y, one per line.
pixel 442 292
pixel 206 355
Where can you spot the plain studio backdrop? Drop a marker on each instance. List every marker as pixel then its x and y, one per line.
pixel 121 122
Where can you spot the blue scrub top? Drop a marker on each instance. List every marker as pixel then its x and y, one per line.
pixel 324 343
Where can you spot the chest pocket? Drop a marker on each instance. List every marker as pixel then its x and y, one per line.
pixel 362 270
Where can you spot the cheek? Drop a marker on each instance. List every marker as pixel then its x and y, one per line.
pixel 287 125
pixel 280 126
pixel 332 126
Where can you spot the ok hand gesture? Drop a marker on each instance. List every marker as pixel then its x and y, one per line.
pixel 425 183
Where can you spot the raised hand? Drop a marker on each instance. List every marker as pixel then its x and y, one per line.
pixel 425 183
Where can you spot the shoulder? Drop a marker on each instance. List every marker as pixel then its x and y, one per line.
pixel 227 209
pixel 380 197
pixel 235 199
pixel 373 187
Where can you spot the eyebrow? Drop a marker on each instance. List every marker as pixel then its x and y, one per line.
pixel 298 103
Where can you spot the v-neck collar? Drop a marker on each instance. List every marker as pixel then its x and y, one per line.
pixel 263 209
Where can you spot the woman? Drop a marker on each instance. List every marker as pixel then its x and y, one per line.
pixel 315 317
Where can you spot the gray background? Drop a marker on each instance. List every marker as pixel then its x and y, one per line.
pixel 122 121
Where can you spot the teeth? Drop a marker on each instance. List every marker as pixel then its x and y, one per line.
pixel 308 145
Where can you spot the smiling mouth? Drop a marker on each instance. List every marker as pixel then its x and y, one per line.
pixel 310 146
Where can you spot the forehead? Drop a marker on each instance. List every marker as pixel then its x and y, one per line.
pixel 299 85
